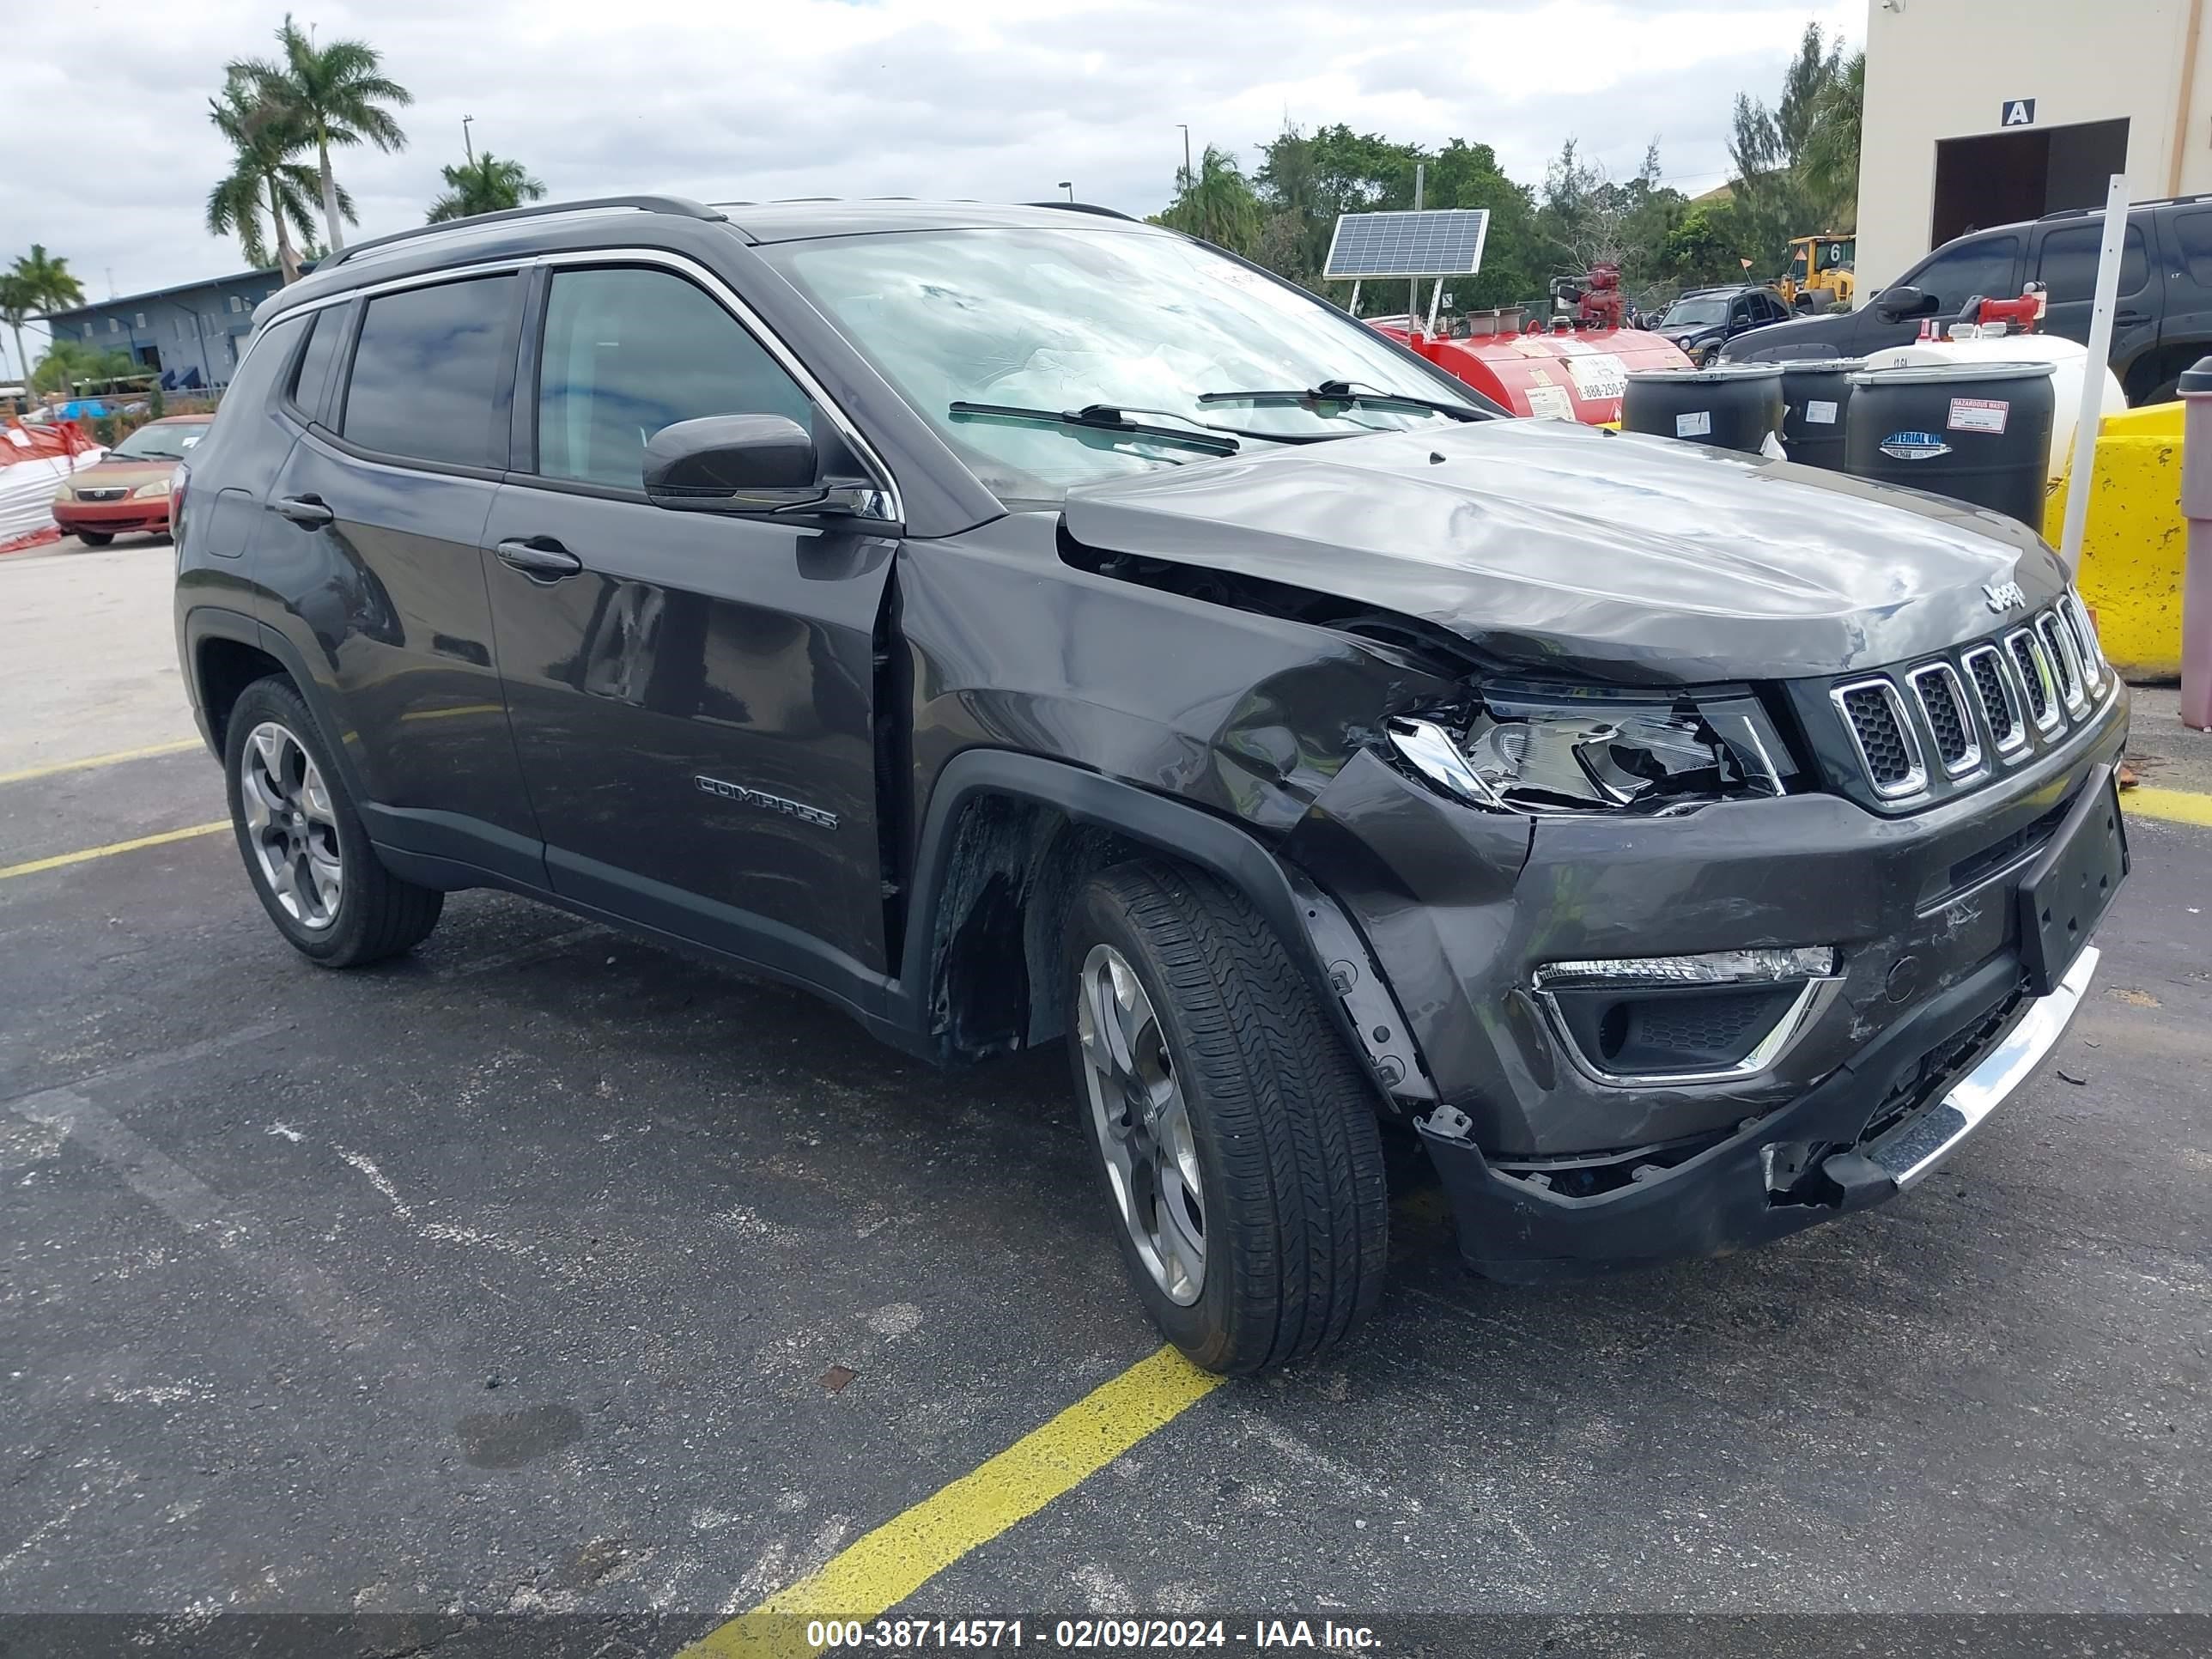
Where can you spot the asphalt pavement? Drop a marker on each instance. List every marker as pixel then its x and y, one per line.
pixel 548 1270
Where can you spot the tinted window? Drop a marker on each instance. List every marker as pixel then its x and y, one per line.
pixel 325 329
pixel 2068 263
pixel 628 352
pixel 426 374
pixel 1988 266
pixel 2192 238
pixel 269 357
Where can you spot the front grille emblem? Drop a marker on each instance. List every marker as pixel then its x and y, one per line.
pixel 2004 596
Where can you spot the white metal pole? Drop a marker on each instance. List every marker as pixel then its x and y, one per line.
pixel 1413 288
pixel 2080 476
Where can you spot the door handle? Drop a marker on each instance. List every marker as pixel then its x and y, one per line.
pixel 540 557
pixel 2129 318
pixel 308 512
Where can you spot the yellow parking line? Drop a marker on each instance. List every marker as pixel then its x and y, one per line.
pixel 117 758
pixel 2181 806
pixel 878 1572
pixel 59 860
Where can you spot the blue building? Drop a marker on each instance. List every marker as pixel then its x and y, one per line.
pixel 194 328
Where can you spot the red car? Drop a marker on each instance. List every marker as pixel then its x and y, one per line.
pixel 127 489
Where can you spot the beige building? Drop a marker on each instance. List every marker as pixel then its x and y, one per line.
pixel 1984 112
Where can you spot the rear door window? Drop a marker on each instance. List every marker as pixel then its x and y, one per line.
pixel 326 328
pixel 1987 265
pixel 630 350
pixel 429 373
pixel 2067 264
pixel 2192 233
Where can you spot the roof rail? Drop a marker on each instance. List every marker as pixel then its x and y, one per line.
pixel 682 205
pixel 1087 207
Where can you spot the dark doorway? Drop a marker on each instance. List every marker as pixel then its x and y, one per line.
pixel 149 357
pixel 1997 178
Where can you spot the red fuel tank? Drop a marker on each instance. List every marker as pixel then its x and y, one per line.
pixel 1562 376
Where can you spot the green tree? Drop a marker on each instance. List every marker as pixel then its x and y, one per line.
pixel 1589 218
pixel 1218 206
pixel 38 282
pixel 1705 247
pixel 484 185
pixel 70 364
pixel 1464 175
pixel 1830 161
pixel 1774 196
pixel 335 95
pixel 265 173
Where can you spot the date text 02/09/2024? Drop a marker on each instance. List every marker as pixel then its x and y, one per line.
pixel 1076 1635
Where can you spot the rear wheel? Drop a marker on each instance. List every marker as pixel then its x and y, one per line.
pixel 1236 1135
pixel 306 850
pixel 95 538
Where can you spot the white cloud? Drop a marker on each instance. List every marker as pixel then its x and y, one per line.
pixel 989 99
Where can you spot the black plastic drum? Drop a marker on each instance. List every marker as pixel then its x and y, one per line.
pixel 1729 406
pixel 1976 431
pixel 1815 395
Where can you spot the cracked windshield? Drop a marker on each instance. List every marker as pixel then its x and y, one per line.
pixel 1053 322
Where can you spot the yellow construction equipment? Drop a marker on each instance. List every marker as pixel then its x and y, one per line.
pixel 1819 270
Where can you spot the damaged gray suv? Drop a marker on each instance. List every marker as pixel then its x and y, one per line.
pixel 1020 624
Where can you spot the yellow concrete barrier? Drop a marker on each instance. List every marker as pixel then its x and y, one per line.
pixel 2134 543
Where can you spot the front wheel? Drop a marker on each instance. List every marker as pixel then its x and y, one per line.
pixel 95 538
pixel 1236 1134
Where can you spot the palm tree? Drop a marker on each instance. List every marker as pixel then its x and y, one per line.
pixel 264 173
pixel 334 95
pixel 484 185
pixel 36 281
pixel 70 364
pixel 1830 158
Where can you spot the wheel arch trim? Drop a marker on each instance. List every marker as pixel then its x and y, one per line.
pixel 1313 927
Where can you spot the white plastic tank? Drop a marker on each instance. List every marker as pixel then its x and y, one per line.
pixel 2069 360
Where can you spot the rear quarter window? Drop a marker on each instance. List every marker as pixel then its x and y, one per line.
pixel 428 373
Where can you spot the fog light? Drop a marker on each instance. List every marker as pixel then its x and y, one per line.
pixel 1722 1015
pixel 1711 968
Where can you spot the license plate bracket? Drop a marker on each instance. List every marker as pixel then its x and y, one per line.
pixel 2071 885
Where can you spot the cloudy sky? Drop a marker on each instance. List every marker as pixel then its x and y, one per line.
pixel 988 99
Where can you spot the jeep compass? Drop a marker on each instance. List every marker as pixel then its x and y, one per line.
pixel 1025 625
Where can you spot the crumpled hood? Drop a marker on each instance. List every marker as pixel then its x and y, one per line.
pixel 1637 559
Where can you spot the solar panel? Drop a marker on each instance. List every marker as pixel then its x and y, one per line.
pixel 1440 242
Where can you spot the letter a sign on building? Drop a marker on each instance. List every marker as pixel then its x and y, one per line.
pixel 2019 112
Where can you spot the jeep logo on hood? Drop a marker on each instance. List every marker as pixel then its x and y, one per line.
pixel 1914 446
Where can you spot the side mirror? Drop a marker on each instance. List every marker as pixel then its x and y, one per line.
pixel 731 464
pixel 1904 305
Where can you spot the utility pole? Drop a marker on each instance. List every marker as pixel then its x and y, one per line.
pixel 1068 185
pixel 1414 287
pixel 466 142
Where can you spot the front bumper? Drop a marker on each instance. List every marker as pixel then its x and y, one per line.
pixel 1461 909
pixel 1726 1197
pixel 121 518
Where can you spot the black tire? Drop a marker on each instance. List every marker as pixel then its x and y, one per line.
pixel 1295 1214
pixel 95 538
pixel 377 914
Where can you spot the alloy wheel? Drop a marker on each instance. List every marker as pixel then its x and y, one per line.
pixel 1142 1124
pixel 290 826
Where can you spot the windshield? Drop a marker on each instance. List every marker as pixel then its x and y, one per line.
pixel 1695 313
pixel 1061 320
pixel 1797 265
pixel 158 443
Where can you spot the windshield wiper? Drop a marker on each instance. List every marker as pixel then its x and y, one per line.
pixel 1343 392
pixel 1105 417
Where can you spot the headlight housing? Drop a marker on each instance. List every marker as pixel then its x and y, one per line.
pixel 1599 750
pixel 150 491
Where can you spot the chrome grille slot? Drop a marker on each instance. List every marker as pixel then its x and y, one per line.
pixel 1943 699
pixel 2001 710
pixel 2057 638
pixel 1873 714
pixel 2035 683
pixel 2085 638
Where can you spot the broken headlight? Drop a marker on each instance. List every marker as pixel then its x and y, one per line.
pixel 1598 752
